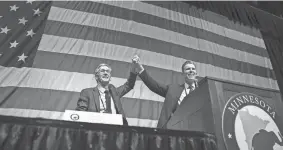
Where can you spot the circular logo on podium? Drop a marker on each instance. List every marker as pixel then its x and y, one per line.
pixel 74 117
pixel 249 123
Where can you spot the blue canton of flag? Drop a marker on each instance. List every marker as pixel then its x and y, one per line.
pixel 21 28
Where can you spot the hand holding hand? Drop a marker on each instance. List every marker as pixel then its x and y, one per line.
pixel 136 64
pixel 136 59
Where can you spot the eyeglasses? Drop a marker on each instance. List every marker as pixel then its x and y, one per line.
pixel 105 70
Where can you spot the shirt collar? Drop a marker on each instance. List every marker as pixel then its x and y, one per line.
pixel 187 86
pixel 101 89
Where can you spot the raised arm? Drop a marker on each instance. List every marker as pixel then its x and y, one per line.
pixel 129 85
pixel 153 85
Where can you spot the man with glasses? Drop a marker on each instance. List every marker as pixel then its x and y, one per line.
pixel 105 97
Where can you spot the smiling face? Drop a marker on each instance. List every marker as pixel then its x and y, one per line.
pixel 103 75
pixel 189 72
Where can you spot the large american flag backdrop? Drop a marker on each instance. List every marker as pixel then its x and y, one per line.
pixel 49 51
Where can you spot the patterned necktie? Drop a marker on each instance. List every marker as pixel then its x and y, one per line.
pixel 108 102
pixel 191 88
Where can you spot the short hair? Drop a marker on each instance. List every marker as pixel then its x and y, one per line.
pixel 98 68
pixel 187 62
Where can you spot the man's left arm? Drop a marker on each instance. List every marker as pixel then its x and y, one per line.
pixel 129 85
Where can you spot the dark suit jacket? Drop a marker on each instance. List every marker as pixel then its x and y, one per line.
pixel 171 93
pixel 89 98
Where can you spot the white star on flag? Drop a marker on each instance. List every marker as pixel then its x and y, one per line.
pixel 37 12
pixel 29 1
pixel 23 21
pixel 0 55
pixel 22 57
pixel 5 30
pixel 30 33
pixel 14 44
pixel 14 8
pixel 229 136
pixel 20 37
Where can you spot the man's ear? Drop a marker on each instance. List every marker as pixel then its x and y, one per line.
pixel 96 78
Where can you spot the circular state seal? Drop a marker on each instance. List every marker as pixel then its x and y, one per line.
pixel 249 123
pixel 75 117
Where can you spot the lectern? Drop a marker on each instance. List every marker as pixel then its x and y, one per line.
pixel 206 107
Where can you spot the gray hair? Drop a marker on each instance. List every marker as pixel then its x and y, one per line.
pixel 98 68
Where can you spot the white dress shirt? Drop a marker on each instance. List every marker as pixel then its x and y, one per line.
pixel 185 92
pixel 102 101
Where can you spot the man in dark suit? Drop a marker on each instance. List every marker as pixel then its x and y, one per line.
pixel 105 97
pixel 173 93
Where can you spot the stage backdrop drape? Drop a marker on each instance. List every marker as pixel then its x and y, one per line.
pixel 49 51
pixel 42 134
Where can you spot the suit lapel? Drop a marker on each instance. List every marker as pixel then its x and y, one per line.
pixel 116 99
pixel 114 96
pixel 179 91
pixel 96 99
